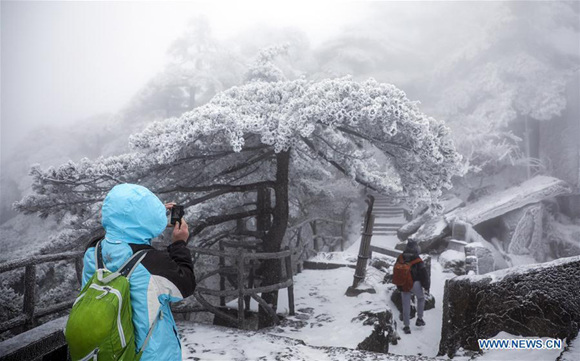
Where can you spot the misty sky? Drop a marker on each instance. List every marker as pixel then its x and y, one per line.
pixel 65 61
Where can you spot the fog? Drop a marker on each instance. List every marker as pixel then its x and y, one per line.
pixel 66 61
pixel 79 77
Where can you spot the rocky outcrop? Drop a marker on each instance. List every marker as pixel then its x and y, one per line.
pixel 408 229
pixel 540 300
pixel 497 204
pixel 433 232
pixel 383 332
pixel 449 203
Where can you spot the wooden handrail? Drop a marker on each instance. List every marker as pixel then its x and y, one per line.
pixel 244 293
pixel 29 312
pixel 35 260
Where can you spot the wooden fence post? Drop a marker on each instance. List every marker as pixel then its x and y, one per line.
pixel 29 294
pixel 364 249
pixel 289 275
pixel 241 311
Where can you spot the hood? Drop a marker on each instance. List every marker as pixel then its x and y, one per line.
pixel 412 249
pixel 133 214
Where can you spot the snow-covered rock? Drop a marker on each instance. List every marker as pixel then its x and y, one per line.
pixel 432 232
pixel 383 332
pixel 497 204
pixel 453 260
pixel 535 300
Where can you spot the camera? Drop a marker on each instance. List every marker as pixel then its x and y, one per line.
pixel 174 215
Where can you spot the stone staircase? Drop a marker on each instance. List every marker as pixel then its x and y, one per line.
pixel 389 217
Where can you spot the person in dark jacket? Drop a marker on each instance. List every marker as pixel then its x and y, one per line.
pixel 421 280
pixel 132 215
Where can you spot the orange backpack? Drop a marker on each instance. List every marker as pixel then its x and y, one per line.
pixel 402 273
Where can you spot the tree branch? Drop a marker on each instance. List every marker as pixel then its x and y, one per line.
pixel 212 221
pixel 221 188
pixel 335 164
pixel 355 133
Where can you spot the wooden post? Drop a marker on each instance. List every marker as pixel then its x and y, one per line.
pixel 221 265
pixel 363 254
pixel 364 249
pixel 314 236
pixel 241 319
pixel 29 294
pixel 248 299
pixel 289 274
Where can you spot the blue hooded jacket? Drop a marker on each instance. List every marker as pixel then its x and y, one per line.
pixel 132 216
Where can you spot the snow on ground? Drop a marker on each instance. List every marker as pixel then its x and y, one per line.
pixel 335 257
pixel 573 352
pixel 216 343
pixel 325 326
pixel 324 314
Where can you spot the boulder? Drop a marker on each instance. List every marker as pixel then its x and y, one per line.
pixel 453 261
pixel 383 332
pixel 531 191
pixel 431 234
pixel 540 300
pixel 485 262
pixel 526 237
pixel 409 228
pixel 449 203
pixel 563 239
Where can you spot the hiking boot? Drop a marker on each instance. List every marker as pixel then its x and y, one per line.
pixel 420 322
pixel 407 330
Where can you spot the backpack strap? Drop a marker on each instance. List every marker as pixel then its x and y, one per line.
pixel 99 255
pixel 129 266
pixel 415 261
pixel 126 268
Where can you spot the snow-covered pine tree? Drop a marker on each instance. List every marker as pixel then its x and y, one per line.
pixel 253 138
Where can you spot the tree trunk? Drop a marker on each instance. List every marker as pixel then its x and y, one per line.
pixel 314 238
pixel 273 239
pixel 263 203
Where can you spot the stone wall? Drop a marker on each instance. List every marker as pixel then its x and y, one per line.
pixel 540 300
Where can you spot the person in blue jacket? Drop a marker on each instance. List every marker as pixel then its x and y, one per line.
pixel 132 215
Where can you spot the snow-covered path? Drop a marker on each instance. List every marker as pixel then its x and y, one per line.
pixel 326 325
pixel 425 340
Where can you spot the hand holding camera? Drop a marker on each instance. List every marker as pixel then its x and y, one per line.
pixel 175 219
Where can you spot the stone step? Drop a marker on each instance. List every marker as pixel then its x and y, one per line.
pixel 385 228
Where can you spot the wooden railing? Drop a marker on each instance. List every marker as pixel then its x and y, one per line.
pixel 29 311
pixel 244 293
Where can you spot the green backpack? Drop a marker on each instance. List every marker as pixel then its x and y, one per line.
pixel 100 323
